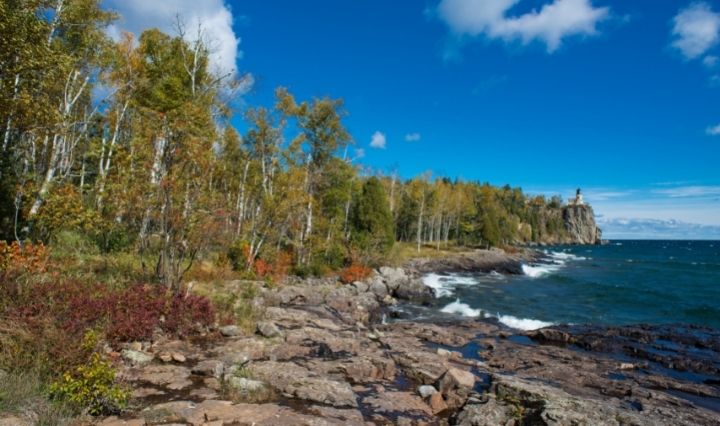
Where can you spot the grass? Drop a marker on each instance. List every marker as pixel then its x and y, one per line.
pixel 402 252
pixel 23 395
pixel 234 302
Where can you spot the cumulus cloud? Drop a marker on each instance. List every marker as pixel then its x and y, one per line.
pixel 214 15
pixel 713 130
pixel 378 140
pixel 696 30
pixel 551 24
pixel 413 137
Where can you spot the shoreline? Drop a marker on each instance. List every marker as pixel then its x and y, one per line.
pixel 321 355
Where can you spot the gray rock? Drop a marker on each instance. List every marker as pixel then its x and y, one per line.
pixel 230 330
pixel 210 368
pixel 360 286
pixel 426 390
pixel 136 357
pixel 268 329
pixel 379 289
pixel 393 277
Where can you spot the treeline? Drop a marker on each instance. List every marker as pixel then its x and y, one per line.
pixel 129 143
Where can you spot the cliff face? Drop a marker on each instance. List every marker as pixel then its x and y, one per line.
pixel 580 225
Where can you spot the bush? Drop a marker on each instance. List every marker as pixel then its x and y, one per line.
pixel 92 388
pixel 185 313
pixel 355 272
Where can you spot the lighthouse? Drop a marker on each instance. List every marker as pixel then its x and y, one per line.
pixel 578 200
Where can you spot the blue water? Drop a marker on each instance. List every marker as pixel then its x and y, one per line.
pixel 624 282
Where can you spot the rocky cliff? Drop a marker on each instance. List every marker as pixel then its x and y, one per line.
pixel 580 224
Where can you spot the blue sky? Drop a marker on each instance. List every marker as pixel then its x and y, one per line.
pixel 619 98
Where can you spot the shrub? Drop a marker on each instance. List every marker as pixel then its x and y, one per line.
pixel 92 388
pixel 355 272
pixel 185 313
pixel 134 313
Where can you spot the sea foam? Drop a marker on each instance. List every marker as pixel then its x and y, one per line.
pixel 523 323
pixel 460 308
pixel 539 270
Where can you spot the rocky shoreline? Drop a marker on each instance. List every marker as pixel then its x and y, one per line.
pixel 321 355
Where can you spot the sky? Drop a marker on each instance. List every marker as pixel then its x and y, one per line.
pixel 621 99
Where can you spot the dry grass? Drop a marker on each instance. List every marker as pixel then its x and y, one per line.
pixel 403 252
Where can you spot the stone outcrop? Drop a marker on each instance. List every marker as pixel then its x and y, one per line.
pixel 580 224
pixel 320 356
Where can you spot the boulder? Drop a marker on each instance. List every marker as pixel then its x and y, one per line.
pixel 379 289
pixel 230 330
pixel 437 403
pixel 426 390
pixel 455 378
pixel 209 368
pixel 268 329
pixel 136 357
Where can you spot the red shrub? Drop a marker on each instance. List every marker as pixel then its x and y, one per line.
pixel 355 272
pixel 185 313
pixel 134 313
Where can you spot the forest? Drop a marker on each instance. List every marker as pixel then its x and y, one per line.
pixel 129 145
pixel 120 164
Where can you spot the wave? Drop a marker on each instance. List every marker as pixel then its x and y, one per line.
pixel 524 324
pixel 539 270
pixel 563 256
pixel 444 285
pixel 460 308
pixel 437 283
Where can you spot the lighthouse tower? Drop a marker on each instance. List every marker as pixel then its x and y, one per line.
pixel 578 201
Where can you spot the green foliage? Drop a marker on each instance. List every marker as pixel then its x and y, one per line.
pixel 92 388
pixel 372 222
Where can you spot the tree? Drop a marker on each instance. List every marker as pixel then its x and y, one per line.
pixel 372 224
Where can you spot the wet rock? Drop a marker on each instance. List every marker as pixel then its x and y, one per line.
pixel 230 330
pixel 136 357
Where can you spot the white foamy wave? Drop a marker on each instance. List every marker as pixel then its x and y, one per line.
pixel 539 270
pixel 437 283
pixel 561 255
pixel 444 285
pixel 523 323
pixel 460 308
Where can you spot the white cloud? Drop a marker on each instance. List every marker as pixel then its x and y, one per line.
pixel 710 61
pixel 713 130
pixel 413 137
pixel 690 191
pixel 554 22
pixel 378 140
pixel 359 153
pixel 634 228
pixel 214 15
pixel 696 30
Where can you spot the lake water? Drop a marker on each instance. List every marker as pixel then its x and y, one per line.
pixel 623 282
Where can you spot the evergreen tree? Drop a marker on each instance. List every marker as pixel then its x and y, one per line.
pixel 372 221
